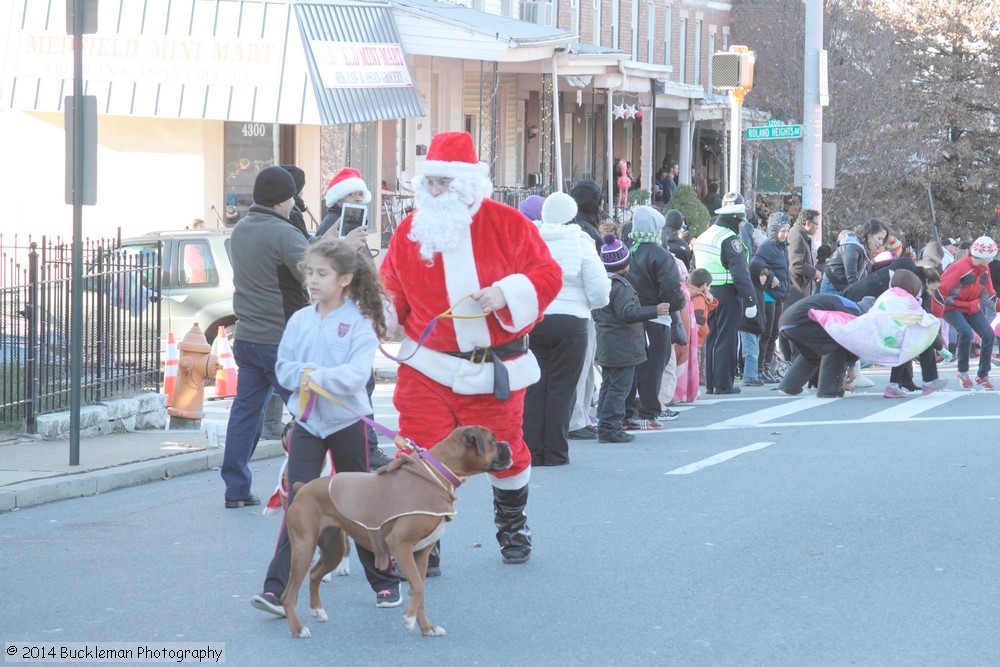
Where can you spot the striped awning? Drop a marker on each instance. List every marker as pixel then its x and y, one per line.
pixel 267 61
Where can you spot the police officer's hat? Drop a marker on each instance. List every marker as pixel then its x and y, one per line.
pixel 733 204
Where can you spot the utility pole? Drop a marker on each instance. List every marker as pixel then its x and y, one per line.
pixel 813 101
pixel 733 71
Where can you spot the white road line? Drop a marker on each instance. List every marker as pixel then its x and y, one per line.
pixel 718 458
pixel 767 414
pixel 904 409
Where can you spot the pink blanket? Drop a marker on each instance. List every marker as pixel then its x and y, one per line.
pixel 895 330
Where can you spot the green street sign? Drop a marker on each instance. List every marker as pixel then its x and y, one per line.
pixel 773 132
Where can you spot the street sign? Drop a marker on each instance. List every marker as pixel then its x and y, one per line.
pixel 773 132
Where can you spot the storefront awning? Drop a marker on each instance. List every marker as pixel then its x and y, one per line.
pixel 267 61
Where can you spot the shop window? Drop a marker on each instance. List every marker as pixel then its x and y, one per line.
pixel 249 148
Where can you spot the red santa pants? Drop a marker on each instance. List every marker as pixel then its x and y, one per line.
pixel 429 412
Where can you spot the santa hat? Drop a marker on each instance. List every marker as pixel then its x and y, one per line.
pixel 451 154
pixel 348 180
pixel 983 248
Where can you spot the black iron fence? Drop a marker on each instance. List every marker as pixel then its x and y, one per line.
pixel 120 319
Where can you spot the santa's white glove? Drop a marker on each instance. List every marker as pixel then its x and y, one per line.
pixel 750 312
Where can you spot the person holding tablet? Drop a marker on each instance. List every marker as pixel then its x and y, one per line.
pixel 347 187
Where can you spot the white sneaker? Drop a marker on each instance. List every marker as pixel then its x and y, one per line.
pixel 862 382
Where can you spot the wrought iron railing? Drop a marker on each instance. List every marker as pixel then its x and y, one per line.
pixel 120 319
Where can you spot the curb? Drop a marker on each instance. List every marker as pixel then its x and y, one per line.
pixel 74 485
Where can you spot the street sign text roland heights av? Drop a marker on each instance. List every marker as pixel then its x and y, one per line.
pixel 774 132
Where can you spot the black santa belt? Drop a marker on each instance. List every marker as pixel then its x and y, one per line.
pixel 496 354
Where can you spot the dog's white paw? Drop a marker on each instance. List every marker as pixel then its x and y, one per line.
pixel 409 622
pixel 303 633
pixel 436 631
pixel 319 615
pixel 344 568
pixel 327 578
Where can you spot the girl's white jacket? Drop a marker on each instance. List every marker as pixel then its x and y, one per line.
pixel 341 349
pixel 586 285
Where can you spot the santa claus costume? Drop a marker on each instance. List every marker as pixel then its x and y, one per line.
pixel 461 249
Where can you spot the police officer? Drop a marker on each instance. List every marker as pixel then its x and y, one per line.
pixel 720 251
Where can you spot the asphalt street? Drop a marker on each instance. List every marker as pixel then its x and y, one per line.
pixel 757 529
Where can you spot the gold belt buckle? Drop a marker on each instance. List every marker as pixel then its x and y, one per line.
pixel 479 355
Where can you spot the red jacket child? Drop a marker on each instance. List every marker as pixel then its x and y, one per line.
pixel 963 286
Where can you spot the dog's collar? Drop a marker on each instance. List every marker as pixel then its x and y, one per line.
pixel 441 468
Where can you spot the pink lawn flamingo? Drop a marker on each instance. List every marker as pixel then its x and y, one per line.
pixel 624 183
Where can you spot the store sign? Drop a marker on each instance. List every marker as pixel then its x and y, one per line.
pixel 148 59
pixel 361 65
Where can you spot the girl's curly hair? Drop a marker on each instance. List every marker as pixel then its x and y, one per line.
pixel 365 288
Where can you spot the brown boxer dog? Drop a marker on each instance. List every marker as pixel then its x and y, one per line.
pixel 399 511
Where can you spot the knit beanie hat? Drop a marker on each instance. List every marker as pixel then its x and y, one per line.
pixel 559 209
pixel 983 248
pixel 298 176
pixel 893 245
pixel 776 221
pixel 532 207
pixel 588 195
pixel 346 181
pixel 908 280
pixel 614 254
pixel 273 186
pixel 674 219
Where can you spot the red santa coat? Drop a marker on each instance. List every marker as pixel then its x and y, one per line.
pixel 503 249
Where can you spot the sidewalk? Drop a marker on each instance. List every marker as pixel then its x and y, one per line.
pixel 33 472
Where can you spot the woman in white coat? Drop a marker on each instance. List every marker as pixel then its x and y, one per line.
pixel 559 341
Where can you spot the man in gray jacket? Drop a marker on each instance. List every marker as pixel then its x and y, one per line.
pixel 266 250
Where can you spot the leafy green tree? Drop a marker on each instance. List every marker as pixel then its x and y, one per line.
pixel 686 201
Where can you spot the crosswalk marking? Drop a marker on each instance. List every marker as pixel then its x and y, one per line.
pixel 784 409
pixel 904 410
pixel 718 458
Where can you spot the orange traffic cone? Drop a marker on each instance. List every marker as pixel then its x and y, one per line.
pixel 226 377
pixel 170 369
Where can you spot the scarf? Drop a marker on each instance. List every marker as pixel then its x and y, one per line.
pixel 639 238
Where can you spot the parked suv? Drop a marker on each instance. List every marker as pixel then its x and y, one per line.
pixel 197 280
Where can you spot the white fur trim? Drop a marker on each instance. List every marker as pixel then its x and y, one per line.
pixel 344 188
pixel 518 481
pixel 467 170
pixel 465 377
pixel 462 278
pixel 522 301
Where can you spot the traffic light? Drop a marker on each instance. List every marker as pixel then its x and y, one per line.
pixel 733 69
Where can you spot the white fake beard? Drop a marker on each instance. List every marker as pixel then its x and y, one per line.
pixel 438 222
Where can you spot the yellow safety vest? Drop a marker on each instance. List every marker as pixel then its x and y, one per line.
pixel 708 253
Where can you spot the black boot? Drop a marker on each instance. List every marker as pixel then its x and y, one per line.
pixel 513 533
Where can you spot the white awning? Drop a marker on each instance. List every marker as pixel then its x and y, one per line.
pixel 267 61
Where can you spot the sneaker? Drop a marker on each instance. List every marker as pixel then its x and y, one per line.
pixel 236 503
pixel 767 377
pixel 616 437
pixel 963 378
pixel 894 391
pixel 984 382
pixel 388 597
pixel 268 602
pixel 669 415
pixel 642 425
pixel 377 458
pixel 730 390
pixel 932 386
pixel 753 383
pixel 582 434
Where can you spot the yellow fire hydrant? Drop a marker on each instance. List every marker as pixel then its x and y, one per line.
pixel 196 363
